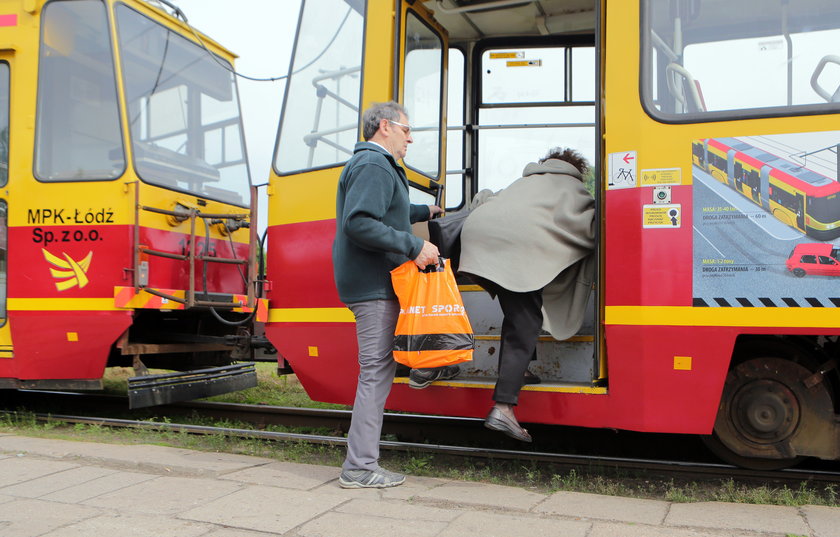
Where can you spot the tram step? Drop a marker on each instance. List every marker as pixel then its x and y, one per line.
pixel 488 383
pixel 570 361
pixel 151 390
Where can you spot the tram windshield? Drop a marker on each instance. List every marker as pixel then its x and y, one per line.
pixel 183 112
pixel 721 58
pixel 824 209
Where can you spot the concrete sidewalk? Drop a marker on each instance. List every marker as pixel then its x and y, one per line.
pixel 61 488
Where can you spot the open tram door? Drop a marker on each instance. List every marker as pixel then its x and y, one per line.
pixel 421 87
pixel 520 80
pixel 6 60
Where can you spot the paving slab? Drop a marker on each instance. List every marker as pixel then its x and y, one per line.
pixel 21 469
pixel 238 532
pixel 397 509
pixel 41 486
pixel 165 495
pixel 738 516
pixel 494 496
pixel 286 475
pixel 413 486
pixel 131 525
pixel 144 457
pixel 611 529
pixel 824 521
pixel 116 480
pixel 486 524
pixel 579 504
pixel 30 518
pixel 346 525
pixel 267 509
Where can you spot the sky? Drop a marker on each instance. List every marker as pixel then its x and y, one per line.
pixel 261 33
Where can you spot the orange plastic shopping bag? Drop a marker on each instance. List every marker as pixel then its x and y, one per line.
pixel 433 329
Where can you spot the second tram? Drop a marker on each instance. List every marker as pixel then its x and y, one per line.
pixel 125 202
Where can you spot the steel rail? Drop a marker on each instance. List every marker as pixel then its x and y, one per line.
pixel 338 419
pixel 706 470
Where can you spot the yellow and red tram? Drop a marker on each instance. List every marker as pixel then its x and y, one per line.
pixel 695 324
pixel 126 202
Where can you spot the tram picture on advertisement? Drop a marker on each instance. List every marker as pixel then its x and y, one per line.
pixel 797 196
pixel 672 341
pixel 125 201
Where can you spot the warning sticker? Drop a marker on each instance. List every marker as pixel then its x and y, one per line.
pixel 622 170
pixel 661 216
pixel 525 63
pixel 663 176
pixel 506 55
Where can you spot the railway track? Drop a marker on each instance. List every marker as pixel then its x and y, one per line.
pixel 413 433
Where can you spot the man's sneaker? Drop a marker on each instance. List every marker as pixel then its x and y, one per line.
pixel 420 378
pixel 369 479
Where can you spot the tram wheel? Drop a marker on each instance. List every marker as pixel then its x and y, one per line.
pixel 764 406
pixel 798 272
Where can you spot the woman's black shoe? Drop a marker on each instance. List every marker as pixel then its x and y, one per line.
pixel 497 421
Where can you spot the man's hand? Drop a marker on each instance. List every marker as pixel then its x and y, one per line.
pixel 433 210
pixel 428 255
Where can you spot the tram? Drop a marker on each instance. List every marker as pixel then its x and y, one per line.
pixel 695 325
pixel 125 205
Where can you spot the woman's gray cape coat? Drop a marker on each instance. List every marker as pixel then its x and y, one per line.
pixel 537 233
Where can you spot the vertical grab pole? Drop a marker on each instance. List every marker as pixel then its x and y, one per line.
pixel 253 245
pixel 191 290
pixel 136 233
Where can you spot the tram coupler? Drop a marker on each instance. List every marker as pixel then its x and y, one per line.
pixel 151 390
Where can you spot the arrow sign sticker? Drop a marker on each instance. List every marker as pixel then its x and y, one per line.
pixel 622 170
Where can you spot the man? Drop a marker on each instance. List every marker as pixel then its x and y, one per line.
pixel 373 236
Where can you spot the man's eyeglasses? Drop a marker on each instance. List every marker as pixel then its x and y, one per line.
pixel 406 128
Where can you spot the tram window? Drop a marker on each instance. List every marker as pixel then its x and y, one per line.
pixel 524 75
pixel 78 128
pixel 4 123
pixel 760 61
pixel 320 118
pixel 504 147
pixel 183 112
pixel 423 94
pixel 583 80
pixel 519 121
pixel 420 197
pixel 823 208
pixel 455 181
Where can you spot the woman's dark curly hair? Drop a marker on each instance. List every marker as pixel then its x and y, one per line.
pixel 569 155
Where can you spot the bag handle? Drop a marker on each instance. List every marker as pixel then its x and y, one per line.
pixel 440 267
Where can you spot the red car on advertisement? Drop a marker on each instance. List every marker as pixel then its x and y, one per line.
pixel 814 258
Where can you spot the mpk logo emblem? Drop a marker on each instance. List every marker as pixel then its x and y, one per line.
pixel 68 271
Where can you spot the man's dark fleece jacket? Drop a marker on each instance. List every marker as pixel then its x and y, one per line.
pixel 373 225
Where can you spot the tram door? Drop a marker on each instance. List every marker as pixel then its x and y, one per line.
pixel 5 107
pixel 507 102
pixel 422 83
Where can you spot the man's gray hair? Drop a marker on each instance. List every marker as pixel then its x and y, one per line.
pixel 376 113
